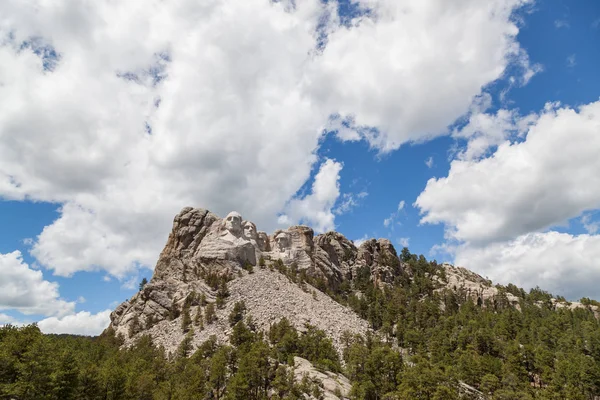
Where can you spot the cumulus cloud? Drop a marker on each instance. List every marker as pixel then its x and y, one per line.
pixel 403 241
pixel 432 58
pixel 589 224
pixel 6 319
pixel 24 289
pixel 525 186
pixel 81 323
pixel 123 113
pixel 485 131
pixel 561 263
pixel 498 208
pixel 316 208
pixel 358 242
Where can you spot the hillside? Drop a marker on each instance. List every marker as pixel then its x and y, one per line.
pixel 232 312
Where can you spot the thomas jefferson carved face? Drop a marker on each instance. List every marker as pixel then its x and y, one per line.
pixel 249 230
pixel 233 223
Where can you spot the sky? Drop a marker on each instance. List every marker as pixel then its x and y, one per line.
pixel 468 131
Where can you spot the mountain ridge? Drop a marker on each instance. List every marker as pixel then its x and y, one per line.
pixel 289 274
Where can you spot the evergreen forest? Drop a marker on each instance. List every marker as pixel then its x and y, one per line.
pixel 426 344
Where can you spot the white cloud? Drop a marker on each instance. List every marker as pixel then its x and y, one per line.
pixel 485 131
pixel 403 241
pixel 561 263
pixel 358 242
pixel 82 323
pixel 438 55
pixel 571 61
pixel 151 107
pixel 389 221
pixel 6 319
pixel 25 290
pixel 316 208
pixel 561 23
pixel 131 283
pixel 590 225
pixel 545 180
pixel 348 201
pixel 429 162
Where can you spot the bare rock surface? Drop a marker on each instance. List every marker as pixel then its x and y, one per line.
pixel 334 386
pixel 269 296
pixel 203 251
pixel 473 286
pixel 202 245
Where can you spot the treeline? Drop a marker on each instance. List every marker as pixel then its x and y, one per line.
pixel 36 366
pixel 536 352
pixel 427 344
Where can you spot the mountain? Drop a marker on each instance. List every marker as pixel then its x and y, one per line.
pixel 234 313
pixel 286 274
pixel 291 273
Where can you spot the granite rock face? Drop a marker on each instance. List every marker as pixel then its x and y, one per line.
pixel 203 247
pixel 206 256
pixel 473 286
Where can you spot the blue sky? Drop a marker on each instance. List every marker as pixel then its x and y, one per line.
pixel 243 120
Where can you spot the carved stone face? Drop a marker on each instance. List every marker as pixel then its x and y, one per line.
pixel 233 223
pixel 283 241
pixel 249 230
pixel 263 241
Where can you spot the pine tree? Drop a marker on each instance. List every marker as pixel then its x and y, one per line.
pixel 210 314
pixel 198 316
pixel 186 320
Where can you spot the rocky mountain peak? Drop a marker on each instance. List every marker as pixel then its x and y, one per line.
pixel 204 253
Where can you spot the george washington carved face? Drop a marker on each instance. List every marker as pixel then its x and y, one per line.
pixel 233 223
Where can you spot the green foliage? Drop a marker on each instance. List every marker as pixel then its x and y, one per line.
pixel 237 314
pixel 143 283
pixel 316 347
pixel 248 267
pixel 421 350
pixel 210 315
pixel 222 294
pixel 198 320
pixel 186 320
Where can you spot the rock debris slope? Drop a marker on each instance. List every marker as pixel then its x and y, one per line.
pixel 209 264
pixel 206 257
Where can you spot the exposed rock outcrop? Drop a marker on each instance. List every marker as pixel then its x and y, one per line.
pixel 473 286
pixel 203 251
pixel 334 386
pixel 210 261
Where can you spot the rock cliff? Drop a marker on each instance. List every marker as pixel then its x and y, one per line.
pixel 206 257
pixel 210 264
